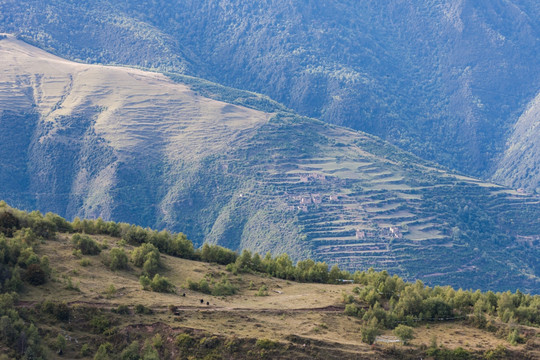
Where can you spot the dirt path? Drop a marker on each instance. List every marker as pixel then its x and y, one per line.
pixel 206 308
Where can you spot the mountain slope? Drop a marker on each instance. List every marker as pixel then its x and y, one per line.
pixel 443 79
pixel 89 140
pixel 519 166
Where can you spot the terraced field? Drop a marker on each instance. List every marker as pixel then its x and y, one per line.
pixel 188 155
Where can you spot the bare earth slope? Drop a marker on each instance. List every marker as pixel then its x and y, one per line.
pixel 87 140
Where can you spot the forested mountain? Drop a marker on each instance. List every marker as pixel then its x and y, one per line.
pixel 444 79
pixel 235 168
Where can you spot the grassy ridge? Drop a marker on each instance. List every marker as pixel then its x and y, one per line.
pixel 47 257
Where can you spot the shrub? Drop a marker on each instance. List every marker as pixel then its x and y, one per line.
pixel 224 288
pixel 122 310
pixel 201 286
pixel 71 286
pixel 131 352
pixel 145 282
pixel 136 235
pixel 217 254
pixel 141 309
pixel 35 275
pixel 147 256
pixel 100 323
pixel 370 333
pixel 447 354
pixel 110 292
pixel 118 259
pixel 103 351
pixel 85 262
pixel 61 224
pixel 404 333
pixel 500 352
pixel 263 291
pixel 62 311
pixel 180 246
pixel 161 284
pixel 158 284
pixel 142 253
pixel 184 341
pixel 8 223
pixel 60 343
pixel 86 244
pixel 85 350
pixel 352 310
pixel 157 341
pixel 514 338
pixel 266 344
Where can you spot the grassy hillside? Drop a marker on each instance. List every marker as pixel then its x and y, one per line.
pixel 73 290
pixel 135 146
pixel 446 80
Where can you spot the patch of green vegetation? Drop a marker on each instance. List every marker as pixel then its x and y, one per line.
pixel 158 284
pixel 208 285
pixel 85 244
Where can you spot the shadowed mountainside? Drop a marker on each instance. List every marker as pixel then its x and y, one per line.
pixel 519 166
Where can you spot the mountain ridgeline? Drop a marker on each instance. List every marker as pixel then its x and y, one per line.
pixel 237 169
pixel 444 79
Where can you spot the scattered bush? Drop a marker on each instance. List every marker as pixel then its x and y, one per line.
pixel 131 352
pixel 122 310
pixel 9 223
pixel 404 333
pixel 118 259
pixel 263 291
pixel 141 309
pixel 35 275
pixel 266 344
pixel 370 333
pixel 184 341
pixel 147 256
pixel 136 235
pixel 220 288
pixel 217 254
pixel 447 354
pixel 514 338
pixel 100 323
pixel 157 341
pixel 158 284
pixel 85 350
pixel 60 343
pixel 224 288
pixel 87 245
pixel 103 351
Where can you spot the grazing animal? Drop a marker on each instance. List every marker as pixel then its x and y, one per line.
pixel 202 301
pixel 184 294
pixel 207 303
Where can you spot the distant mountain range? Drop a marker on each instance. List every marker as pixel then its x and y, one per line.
pixel 238 169
pixel 445 79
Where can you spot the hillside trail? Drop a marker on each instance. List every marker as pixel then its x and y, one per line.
pixel 206 308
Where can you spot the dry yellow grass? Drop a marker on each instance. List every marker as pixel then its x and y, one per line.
pixel 310 311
